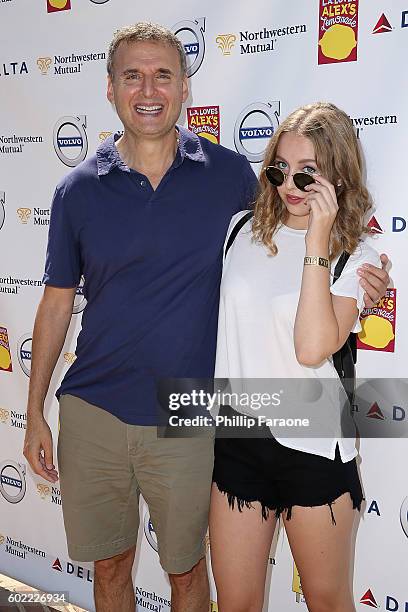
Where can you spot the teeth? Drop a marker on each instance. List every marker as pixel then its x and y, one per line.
pixel 148 109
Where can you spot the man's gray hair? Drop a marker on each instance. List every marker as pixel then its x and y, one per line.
pixel 145 31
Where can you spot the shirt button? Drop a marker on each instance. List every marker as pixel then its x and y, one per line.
pixel 143 183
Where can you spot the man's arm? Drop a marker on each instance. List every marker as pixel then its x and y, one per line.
pixel 50 329
pixel 375 281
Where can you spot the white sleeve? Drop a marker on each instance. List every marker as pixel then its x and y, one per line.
pixel 348 285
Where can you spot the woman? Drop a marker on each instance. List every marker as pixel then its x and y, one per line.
pixel 280 317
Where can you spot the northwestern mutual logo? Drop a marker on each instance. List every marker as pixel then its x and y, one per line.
pixel 67 64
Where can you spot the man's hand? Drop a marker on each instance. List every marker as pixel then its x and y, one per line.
pixel 38 448
pixel 374 280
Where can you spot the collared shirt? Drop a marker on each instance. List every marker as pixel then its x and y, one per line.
pixel 152 263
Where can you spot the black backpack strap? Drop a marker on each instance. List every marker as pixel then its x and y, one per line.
pixel 340 265
pixel 345 358
pixel 236 229
pixel 352 339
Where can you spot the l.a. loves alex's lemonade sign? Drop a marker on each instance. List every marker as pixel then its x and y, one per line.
pixel 338 31
pixel 378 323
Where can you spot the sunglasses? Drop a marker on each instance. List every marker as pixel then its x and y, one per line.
pixel 276 177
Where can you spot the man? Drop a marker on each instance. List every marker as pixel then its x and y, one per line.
pixel 144 220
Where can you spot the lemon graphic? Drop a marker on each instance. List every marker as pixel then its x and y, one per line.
pixel 58 4
pixel 338 42
pixel 376 332
pixel 5 359
pixel 209 137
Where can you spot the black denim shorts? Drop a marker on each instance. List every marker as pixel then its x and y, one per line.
pixel 261 469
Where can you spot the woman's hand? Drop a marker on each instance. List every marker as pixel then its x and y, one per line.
pixel 323 210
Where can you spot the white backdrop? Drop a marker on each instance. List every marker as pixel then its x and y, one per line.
pixel 256 61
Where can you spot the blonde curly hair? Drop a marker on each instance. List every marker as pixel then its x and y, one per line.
pixel 338 158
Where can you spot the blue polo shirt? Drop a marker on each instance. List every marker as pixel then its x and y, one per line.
pixel 152 263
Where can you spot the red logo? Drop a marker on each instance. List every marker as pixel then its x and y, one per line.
pixel 58 5
pixel 375 227
pixel 383 25
pixel 338 32
pixel 57 565
pixel 375 413
pixel 205 121
pixel 5 354
pixel 369 600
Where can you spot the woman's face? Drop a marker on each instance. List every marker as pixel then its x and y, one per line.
pixel 295 154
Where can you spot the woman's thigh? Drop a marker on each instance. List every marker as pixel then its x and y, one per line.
pixel 322 552
pixel 240 544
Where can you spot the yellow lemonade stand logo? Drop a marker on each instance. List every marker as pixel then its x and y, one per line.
pixel 58 5
pixel 5 354
pixel 296 586
pixel 378 324
pixel 338 32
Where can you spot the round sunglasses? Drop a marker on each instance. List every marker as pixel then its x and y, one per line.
pixel 276 177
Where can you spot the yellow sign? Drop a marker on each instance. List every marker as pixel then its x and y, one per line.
pixel 338 42
pixel 296 586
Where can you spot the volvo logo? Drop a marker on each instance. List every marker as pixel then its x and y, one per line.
pixel 2 209
pixel 191 34
pixel 254 127
pixel 70 140
pixel 404 516
pixel 150 532
pixel 24 353
pixel 79 301
pixel 12 481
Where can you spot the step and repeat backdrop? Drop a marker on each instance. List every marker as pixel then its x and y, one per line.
pixel 250 64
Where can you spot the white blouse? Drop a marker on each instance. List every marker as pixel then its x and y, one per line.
pixel 258 303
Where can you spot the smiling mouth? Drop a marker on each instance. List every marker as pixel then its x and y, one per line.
pixel 145 109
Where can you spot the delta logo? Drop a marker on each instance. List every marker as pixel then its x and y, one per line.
pixel 338 31
pixel 382 25
pixel 54 6
pixel 78 571
pixel 374 227
pixel 368 599
pixel 375 412
pixel 378 324
pixel 205 121
pixel 398 225
pixel 391 603
pixel 5 353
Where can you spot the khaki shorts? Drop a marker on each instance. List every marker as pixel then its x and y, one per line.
pixel 104 465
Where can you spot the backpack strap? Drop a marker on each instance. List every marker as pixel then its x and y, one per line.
pixel 236 229
pixel 343 259
pixel 352 339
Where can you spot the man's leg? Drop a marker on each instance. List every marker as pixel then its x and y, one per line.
pixel 174 476
pixel 191 591
pixel 99 499
pixel 113 587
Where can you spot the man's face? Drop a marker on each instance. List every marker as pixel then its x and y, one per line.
pixel 147 88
